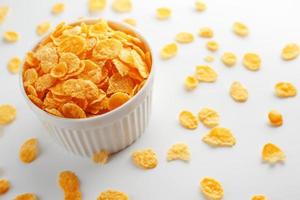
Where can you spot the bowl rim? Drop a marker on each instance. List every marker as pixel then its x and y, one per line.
pixel 106 115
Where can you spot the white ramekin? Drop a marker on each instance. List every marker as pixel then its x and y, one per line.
pixel 112 131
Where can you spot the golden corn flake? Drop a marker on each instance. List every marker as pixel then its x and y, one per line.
pixel 238 92
pixel 145 159
pixel 59 70
pixel 29 150
pixel 68 181
pixel 200 5
pixel 117 99
pixel 3 12
pixel 190 82
pixel 72 110
pixel 7 114
pixel 211 188
pixel 252 61
pixel 4 186
pixel 209 58
pixel 205 73
pixel 229 59
pixel 169 51
pixel 285 89
pixel 43 28
pixel 179 151
pixel 240 29
pixel 212 45
pixel 259 197
pixel 188 120
pixel 112 195
pixel 275 118
pixel 290 51
pixel 219 137
pixel 209 117
pixel 96 5
pixel 184 37
pixel 130 21
pixel 163 13
pixel 107 49
pixel 206 32
pixel 11 36
pixel 272 153
pixel 101 157
pixel 58 8
pixel 73 44
pixel 13 65
pixel 122 5
pixel 26 196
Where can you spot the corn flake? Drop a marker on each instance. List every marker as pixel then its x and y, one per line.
pixel 68 181
pixel 130 21
pixel 238 92
pixel 240 29
pixel 43 28
pixel 206 32
pixel 252 61
pixel 112 195
pixel 101 157
pixel 163 13
pixel 7 114
pixel 209 117
pixel 29 150
pixel 229 59
pixel 205 73
pixel 188 120
pixel 58 8
pixel 190 82
pixel 11 36
pixel 290 51
pixel 219 137
pixel 168 51
pixel 179 151
pixel 200 5
pixel 272 153
pixel 107 49
pixel 73 44
pixel 259 197
pixel 4 186
pixel 44 82
pixel 212 45
pixel 71 110
pixel 145 159
pixel 59 70
pixel 13 65
pixel 3 13
pixel 211 188
pixel 26 196
pixel 184 37
pixel 122 5
pixel 117 99
pixel 275 118
pixel 96 5
pixel 285 89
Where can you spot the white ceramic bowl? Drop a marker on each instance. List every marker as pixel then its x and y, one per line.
pixel 112 131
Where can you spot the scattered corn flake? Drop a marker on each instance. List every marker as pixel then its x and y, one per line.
pixel 188 120
pixel 184 37
pixel 112 195
pixel 179 151
pixel 252 61
pixel 13 65
pixel 130 21
pixel 43 28
pixel 58 8
pixel 68 181
pixel 205 73
pixel 145 159
pixel 72 110
pixel 290 51
pixel 211 188
pixel 169 51
pixel 238 92
pixel 122 5
pixel 212 45
pixel 26 196
pixel 240 29
pixel 209 58
pixel 163 13
pixel 219 137
pixel 200 5
pixel 11 36
pixel 275 118
pixel 259 197
pixel 206 32
pixel 29 150
pixel 4 186
pixel 117 99
pixel 272 153
pixel 7 114
pixel 190 82
pixel 96 5
pixel 209 117
pixel 101 157
pixel 229 59
pixel 285 89
pixel 3 13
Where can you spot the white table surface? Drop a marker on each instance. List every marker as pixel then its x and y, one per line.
pixel 239 169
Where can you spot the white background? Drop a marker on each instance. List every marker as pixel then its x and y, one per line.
pixel 239 169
